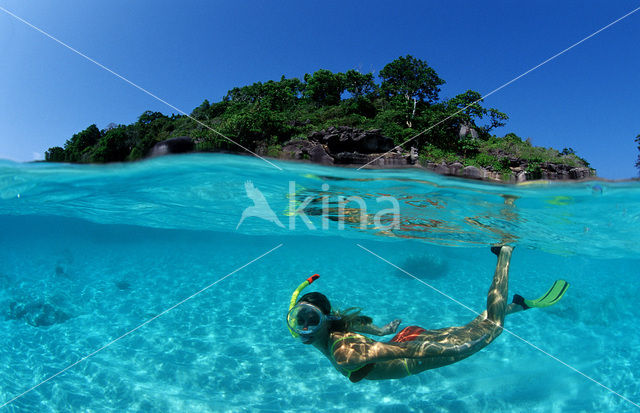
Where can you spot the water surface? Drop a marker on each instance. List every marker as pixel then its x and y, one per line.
pixel 88 253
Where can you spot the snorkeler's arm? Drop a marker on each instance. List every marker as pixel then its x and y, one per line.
pixel 372 329
pixel 352 354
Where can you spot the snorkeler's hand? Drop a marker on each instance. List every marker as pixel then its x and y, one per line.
pixel 392 327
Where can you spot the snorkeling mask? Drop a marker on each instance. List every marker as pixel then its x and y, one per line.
pixel 305 319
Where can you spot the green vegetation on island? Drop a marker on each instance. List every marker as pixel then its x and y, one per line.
pixel 261 117
pixel 638 160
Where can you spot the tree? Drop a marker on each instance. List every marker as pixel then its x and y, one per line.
pixel 201 113
pixel 55 154
pixel 151 127
pixel 440 133
pixel 411 78
pixel 245 94
pixel 76 146
pixel 407 82
pixel 324 87
pixel 497 119
pixel 274 95
pixel 148 116
pixel 468 103
pixel 401 102
pixel 280 96
pixel 359 84
pixel 114 146
pixel 638 161
pixel 469 108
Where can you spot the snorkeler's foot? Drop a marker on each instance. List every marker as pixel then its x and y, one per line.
pixel 496 249
pixel 519 300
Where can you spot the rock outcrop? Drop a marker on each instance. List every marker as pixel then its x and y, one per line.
pixel 349 146
pixel 344 145
pixel 181 144
pixel 520 173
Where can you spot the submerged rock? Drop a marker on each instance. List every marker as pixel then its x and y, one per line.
pixel 423 266
pixel 60 271
pixel 36 314
pixel 122 285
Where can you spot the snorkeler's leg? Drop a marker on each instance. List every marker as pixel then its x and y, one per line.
pixel 514 308
pixel 488 324
pixel 457 342
pixel 482 330
pixel 498 292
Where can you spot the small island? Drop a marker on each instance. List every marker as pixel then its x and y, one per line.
pixel 340 119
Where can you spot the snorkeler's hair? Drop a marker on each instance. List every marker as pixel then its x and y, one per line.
pixel 348 318
pixel 319 300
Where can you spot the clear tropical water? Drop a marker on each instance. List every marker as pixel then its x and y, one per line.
pixel 88 253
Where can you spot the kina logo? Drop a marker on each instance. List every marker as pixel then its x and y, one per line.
pixel 260 207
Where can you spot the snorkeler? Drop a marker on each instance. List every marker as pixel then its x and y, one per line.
pixel 339 335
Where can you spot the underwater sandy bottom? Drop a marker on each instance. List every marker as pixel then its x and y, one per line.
pixel 228 348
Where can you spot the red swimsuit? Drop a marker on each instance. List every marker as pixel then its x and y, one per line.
pixel 407 334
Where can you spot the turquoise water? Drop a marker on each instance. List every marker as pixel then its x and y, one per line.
pixel 88 253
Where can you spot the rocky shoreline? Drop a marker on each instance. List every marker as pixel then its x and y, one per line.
pixel 346 146
pixel 549 171
pixel 351 147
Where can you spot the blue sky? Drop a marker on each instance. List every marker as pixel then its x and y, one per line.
pixel 587 99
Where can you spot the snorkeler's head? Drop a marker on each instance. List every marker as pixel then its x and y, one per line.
pixel 319 300
pixel 311 318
